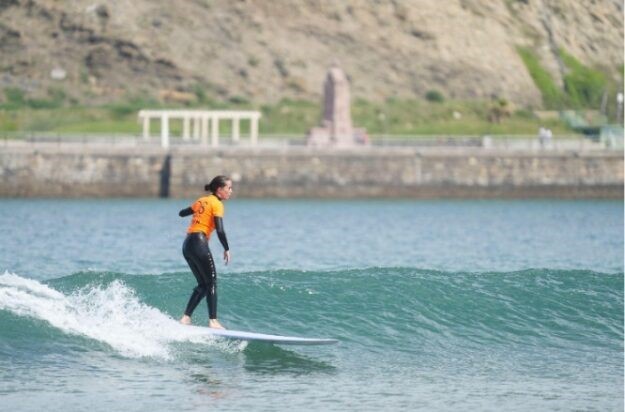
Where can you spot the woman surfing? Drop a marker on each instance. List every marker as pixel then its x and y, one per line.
pixel 208 212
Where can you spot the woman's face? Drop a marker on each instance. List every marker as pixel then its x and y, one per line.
pixel 225 192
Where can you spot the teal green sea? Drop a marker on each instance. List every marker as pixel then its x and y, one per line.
pixel 437 305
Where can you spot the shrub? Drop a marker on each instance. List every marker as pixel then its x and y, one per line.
pixel 14 95
pixel 200 94
pixel 434 96
pixel 238 100
pixel 43 104
pixel 122 110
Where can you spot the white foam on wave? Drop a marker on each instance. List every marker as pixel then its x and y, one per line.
pixel 111 314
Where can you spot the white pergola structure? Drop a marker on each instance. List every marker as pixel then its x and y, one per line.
pixel 195 124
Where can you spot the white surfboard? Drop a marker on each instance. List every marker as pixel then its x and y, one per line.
pixel 261 337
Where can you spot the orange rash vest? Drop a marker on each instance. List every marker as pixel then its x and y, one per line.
pixel 205 209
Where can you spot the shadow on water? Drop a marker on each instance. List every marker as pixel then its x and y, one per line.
pixel 212 376
pixel 258 358
pixel 275 360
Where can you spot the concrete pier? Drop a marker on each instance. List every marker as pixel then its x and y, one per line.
pixel 49 170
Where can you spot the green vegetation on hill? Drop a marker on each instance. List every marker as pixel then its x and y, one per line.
pixel 290 117
pixel 553 97
pixel 16 99
pixel 584 87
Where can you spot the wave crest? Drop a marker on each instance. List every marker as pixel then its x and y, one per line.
pixel 111 314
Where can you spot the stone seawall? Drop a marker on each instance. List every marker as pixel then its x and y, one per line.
pixel 100 171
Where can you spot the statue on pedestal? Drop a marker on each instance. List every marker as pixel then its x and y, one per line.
pixel 336 126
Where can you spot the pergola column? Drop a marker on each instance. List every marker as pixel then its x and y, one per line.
pixel 204 122
pixel 235 129
pixel 186 124
pixel 196 128
pixel 165 130
pixel 146 127
pixel 214 131
pixel 254 130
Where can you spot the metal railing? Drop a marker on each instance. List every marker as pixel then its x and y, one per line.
pixel 508 142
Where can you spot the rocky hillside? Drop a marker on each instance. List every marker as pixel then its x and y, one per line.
pixel 264 50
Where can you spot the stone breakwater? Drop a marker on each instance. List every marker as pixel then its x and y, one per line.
pixel 48 170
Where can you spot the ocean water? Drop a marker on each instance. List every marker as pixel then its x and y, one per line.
pixel 438 305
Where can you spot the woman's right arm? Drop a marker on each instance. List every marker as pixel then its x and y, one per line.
pixel 185 212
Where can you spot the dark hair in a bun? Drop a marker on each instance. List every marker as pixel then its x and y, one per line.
pixel 216 183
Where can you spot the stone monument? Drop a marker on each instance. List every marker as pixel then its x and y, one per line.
pixel 336 126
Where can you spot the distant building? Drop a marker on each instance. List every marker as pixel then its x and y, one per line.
pixel 336 127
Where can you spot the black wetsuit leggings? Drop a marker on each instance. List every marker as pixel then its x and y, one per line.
pixel 195 250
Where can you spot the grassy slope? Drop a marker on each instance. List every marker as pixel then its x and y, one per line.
pixel 288 117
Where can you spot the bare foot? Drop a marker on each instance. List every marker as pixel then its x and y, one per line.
pixel 214 323
pixel 185 320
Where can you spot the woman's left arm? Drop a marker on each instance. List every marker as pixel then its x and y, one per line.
pixel 221 234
